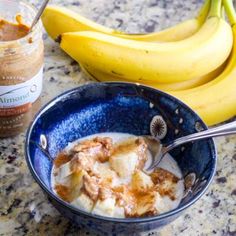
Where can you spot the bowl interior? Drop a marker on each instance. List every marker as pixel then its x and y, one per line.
pixel 119 107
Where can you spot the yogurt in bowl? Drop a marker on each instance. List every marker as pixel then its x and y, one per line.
pixel 104 174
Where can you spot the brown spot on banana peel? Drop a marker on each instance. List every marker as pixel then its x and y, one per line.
pixel 116 73
pixel 58 39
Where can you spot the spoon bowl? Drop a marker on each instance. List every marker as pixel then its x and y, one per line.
pixel 158 150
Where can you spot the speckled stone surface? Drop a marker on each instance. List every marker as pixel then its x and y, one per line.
pixel 24 209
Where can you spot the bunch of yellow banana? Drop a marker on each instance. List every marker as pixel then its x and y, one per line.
pixel 58 20
pixel 189 60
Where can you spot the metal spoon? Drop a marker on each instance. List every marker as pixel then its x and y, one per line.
pixel 158 150
pixel 38 15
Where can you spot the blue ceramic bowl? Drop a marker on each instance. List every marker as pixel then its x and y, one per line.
pixel 119 107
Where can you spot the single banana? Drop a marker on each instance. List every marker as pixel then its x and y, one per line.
pixel 58 20
pixel 188 84
pixel 161 62
pixel 215 101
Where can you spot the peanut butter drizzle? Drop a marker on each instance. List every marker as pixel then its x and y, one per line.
pixel 126 196
pixel 61 159
pixel 13 31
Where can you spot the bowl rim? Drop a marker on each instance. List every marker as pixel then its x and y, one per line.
pixel 77 211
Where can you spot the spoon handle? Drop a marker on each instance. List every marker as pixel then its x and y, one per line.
pixel 38 15
pixel 222 130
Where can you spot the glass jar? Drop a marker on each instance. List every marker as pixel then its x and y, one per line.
pixel 21 70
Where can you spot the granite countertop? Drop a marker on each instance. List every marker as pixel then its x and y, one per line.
pixel 24 209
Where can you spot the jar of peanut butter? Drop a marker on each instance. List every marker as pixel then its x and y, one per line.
pixel 21 66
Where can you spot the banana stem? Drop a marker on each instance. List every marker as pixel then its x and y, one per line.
pixel 222 12
pixel 215 9
pixel 230 11
pixel 203 12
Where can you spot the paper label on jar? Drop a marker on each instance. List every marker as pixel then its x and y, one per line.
pixel 17 99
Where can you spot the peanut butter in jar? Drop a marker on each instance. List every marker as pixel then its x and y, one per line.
pixel 21 66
